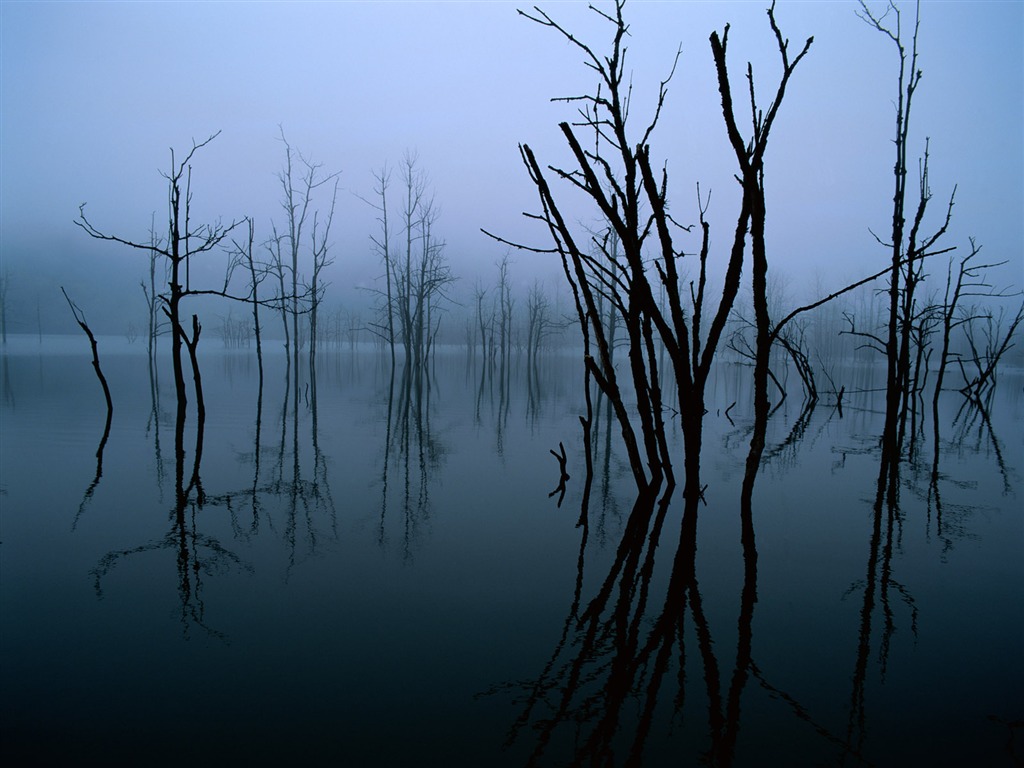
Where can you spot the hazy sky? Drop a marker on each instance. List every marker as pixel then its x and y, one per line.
pixel 93 95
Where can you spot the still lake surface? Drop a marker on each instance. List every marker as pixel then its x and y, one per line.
pixel 379 576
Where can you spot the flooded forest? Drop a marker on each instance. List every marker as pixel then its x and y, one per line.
pixel 657 513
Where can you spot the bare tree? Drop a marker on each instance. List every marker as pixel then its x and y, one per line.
pixel 988 342
pixel 242 255
pixel 617 175
pixel 277 269
pixel 417 275
pixel 505 305
pixel 149 291
pixel 908 248
pixel 750 157
pixel 483 323
pixel 300 179
pixel 538 323
pixel 382 245
pixel 184 242
pixel 320 238
pixel 80 319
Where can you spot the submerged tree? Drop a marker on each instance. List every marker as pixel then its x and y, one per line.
pixel 184 242
pixel 385 327
pixel 416 271
pixel 241 255
pixel 618 177
pixel 305 228
pixel 908 248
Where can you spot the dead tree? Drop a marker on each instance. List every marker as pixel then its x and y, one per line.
pixel 417 274
pixel 908 247
pixel 80 319
pixel 242 256
pixel 300 179
pixel 750 157
pixel 539 323
pixel 505 302
pixel 632 198
pixel 320 240
pixel 412 213
pixel 483 322
pixel 987 347
pixel 184 242
pixel 277 269
pixel 382 245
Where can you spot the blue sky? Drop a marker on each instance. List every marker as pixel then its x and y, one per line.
pixel 93 95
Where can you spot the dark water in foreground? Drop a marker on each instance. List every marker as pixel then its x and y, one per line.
pixel 384 580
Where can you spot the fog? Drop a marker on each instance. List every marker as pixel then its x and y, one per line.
pixel 95 95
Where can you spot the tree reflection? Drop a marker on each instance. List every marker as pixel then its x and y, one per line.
pixel 641 657
pixel 606 680
pixel 87 496
pixel 605 677
pixel 196 554
pixel 307 501
pixel 412 455
pixel 880 587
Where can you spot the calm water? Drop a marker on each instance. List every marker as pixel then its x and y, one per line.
pixel 377 576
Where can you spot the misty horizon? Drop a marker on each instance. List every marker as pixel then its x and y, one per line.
pixel 93 119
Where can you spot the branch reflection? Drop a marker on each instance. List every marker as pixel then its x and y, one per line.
pixel 413 455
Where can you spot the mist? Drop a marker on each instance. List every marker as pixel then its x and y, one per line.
pixel 423 383
pixel 93 118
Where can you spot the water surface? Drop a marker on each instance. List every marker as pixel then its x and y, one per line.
pixel 370 574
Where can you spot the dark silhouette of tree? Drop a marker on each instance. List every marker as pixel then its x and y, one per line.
pixel 750 157
pixel 632 198
pixel 908 247
pixel 988 340
pixel 185 241
pixel 80 319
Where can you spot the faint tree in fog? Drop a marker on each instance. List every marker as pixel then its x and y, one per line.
pixel 241 255
pixel 149 291
pixel 385 328
pixel 298 186
pixel 417 275
pixel 505 304
pixel 415 190
pixel 321 245
pixel 5 284
pixel 277 269
pixel 483 321
pixel 539 322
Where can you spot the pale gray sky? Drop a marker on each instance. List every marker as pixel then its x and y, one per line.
pixel 93 95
